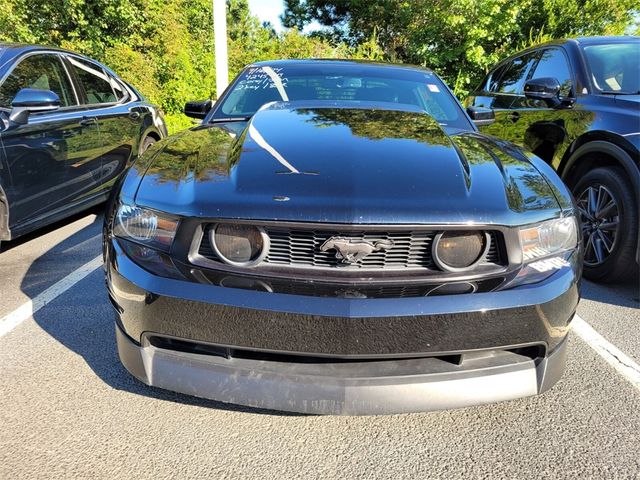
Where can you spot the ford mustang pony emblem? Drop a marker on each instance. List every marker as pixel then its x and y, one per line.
pixel 350 251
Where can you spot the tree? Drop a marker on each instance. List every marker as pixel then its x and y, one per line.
pixel 90 26
pixel 460 39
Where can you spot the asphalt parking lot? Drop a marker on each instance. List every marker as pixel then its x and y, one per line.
pixel 68 409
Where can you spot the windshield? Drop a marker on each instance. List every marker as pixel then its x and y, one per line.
pixel 259 85
pixel 613 68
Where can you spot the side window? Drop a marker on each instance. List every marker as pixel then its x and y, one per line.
pixel 96 83
pixel 44 72
pixel 494 78
pixel 515 74
pixel 490 82
pixel 553 63
pixel 118 89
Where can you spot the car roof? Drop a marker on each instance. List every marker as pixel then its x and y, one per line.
pixel 604 39
pixel 577 41
pixel 30 46
pixel 10 50
pixel 337 61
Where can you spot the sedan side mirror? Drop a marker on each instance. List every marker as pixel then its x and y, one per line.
pixel 31 100
pixel 481 115
pixel 198 109
pixel 545 88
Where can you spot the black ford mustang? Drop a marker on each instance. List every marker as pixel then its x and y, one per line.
pixel 337 237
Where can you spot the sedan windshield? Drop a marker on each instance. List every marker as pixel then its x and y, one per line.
pixel 259 85
pixel 613 68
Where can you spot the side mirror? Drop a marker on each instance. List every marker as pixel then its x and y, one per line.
pixel 481 115
pixel 198 109
pixel 545 88
pixel 30 100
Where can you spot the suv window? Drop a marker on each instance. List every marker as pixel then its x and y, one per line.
pixel 44 72
pixel 96 82
pixel 553 63
pixel 491 81
pixel 515 74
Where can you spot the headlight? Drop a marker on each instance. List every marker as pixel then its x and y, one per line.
pixel 456 251
pixel 239 245
pixel 548 238
pixel 546 248
pixel 142 225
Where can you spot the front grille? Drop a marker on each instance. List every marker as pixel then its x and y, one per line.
pixel 299 247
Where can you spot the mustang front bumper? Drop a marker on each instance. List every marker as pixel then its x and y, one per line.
pixel 340 355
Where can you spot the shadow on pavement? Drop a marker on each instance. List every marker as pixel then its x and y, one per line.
pixel 624 294
pixel 82 319
pixel 40 232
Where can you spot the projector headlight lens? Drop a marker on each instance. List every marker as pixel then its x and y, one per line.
pixel 145 226
pixel 456 251
pixel 239 245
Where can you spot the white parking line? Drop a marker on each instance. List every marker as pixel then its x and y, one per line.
pixel 623 364
pixel 26 310
pixel 78 246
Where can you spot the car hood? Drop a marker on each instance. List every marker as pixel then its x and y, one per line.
pixel 344 165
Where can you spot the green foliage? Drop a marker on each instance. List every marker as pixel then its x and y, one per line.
pixel 461 39
pixel 88 26
pixel 369 49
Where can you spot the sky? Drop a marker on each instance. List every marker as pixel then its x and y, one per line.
pixel 270 11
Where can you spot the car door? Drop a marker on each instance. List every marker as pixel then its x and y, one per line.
pixel 51 160
pixel 119 119
pixel 547 128
pixel 505 85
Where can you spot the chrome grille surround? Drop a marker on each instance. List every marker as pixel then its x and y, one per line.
pixel 295 248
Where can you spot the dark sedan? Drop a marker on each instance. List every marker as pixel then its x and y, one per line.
pixel 337 237
pixel 68 128
pixel 576 104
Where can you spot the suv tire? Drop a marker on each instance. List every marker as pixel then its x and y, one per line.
pixel 609 218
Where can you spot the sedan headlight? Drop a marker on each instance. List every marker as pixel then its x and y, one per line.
pixel 548 238
pixel 546 248
pixel 145 226
pixel 545 245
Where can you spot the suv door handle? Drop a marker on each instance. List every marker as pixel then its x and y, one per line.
pixel 88 121
pixel 514 116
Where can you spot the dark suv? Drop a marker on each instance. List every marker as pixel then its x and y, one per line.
pixel 68 127
pixel 576 104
